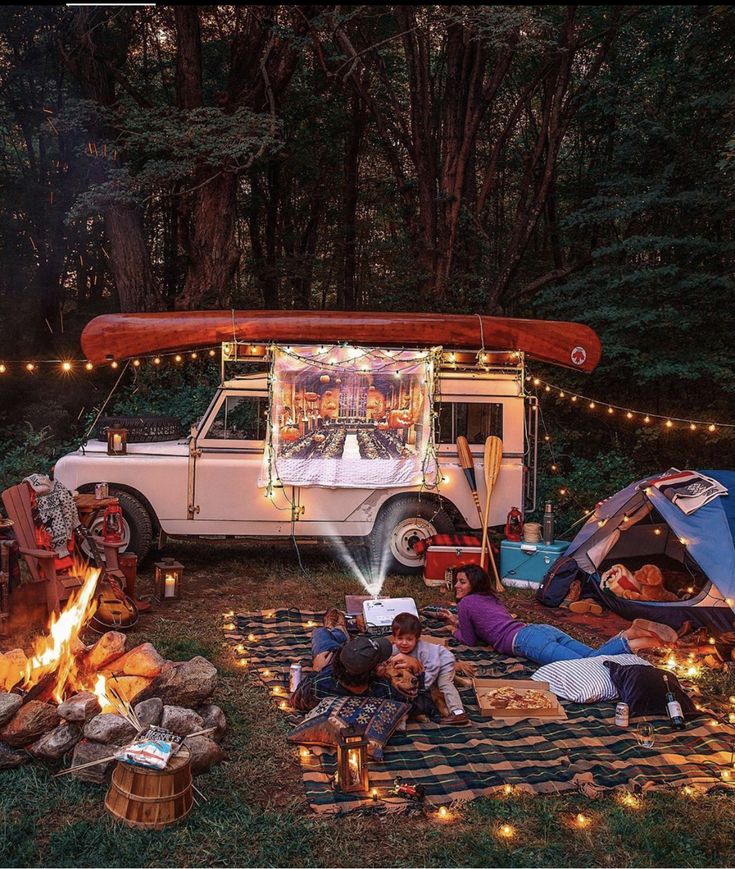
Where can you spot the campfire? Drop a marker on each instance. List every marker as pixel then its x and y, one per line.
pixel 56 659
pixel 68 698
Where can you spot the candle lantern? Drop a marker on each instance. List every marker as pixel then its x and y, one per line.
pixel 352 768
pixel 112 524
pixel 169 574
pixel 117 441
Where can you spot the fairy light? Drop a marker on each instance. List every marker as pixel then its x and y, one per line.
pixel 177 357
pixel 30 366
pixel 251 638
pixel 195 355
pixel 443 813
pixel 3 369
pixel 66 366
pixel 582 821
pixel 630 801
pixel 136 363
pixel 156 360
pixel 89 366
pixel 693 425
pixel 212 353
pixel 506 831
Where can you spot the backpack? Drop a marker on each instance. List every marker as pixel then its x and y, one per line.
pixel 558 579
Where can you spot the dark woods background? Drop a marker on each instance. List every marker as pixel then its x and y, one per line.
pixel 550 161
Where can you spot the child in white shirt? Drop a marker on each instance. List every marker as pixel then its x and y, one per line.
pixel 438 663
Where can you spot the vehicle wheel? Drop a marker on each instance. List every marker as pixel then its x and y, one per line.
pixel 138 522
pixel 398 528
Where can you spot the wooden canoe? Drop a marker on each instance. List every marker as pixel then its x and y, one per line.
pixel 121 336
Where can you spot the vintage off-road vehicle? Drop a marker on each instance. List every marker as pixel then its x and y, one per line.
pixel 206 484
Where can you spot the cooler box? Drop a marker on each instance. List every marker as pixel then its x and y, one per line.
pixel 525 564
pixel 440 558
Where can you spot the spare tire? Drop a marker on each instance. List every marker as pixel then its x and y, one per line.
pixel 145 429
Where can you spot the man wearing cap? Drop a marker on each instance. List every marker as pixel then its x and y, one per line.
pixel 344 667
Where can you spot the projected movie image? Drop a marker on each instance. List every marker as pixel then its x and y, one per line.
pixel 350 417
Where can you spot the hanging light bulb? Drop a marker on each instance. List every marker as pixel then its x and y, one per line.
pixel 177 358
pixel 89 366
pixel 211 352
pixel 66 366
pixel 136 363
pixel 574 398
pixel 610 410
pixel 194 355
pixel 30 366
pixel 629 415
pixel 113 364
pixel 710 428
pixel 669 423
pixel 592 405
pixel 3 369
pixel 646 418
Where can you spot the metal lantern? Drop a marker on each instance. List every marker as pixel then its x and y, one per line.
pixel 117 441
pixel 169 574
pixel 352 768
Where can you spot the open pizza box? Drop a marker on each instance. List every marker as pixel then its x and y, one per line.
pixel 494 706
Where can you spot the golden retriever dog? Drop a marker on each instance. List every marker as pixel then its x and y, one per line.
pixel 405 678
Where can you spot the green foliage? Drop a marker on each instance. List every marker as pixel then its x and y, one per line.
pixel 24 451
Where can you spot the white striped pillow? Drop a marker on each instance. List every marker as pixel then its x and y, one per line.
pixel 583 680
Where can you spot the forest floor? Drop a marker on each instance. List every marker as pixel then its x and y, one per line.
pixel 256 812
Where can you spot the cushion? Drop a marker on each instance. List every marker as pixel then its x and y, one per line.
pixel 643 689
pixel 377 718
pixel 584 680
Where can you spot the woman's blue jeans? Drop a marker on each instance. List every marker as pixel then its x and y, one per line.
pixel 545 644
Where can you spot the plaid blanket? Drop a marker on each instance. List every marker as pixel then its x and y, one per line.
pixel 587 752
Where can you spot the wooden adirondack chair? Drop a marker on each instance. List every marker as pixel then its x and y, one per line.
pixel 17 502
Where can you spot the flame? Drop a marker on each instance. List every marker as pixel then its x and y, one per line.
pixel 55 652
pixel 100 691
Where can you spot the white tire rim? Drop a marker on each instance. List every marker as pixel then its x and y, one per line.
pixel 405 533
pixel 97 528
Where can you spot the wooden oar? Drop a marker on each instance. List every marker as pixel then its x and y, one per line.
pixel 468 466
pixel 492 460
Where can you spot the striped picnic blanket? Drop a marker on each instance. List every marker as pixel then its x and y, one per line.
pixel 586 752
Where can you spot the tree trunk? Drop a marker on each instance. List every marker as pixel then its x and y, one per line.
pixel 346 288
pixel 214 254
pixel 129 262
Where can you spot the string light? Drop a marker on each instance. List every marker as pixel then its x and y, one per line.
pixel 136 363
pixel 632 413
pixel 113 364
pixel 30 366
pixel 506 831
pixel 89 366
pixel 3 369
pixel 66 366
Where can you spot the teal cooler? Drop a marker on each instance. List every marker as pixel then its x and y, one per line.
pixel 525 564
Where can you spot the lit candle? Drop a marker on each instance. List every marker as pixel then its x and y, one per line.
pixel 374 794
pixel 117 443
pixel 169 583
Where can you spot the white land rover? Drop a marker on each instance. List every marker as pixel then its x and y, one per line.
pixel 205 485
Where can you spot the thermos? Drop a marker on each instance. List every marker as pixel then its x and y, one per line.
pixel 548 523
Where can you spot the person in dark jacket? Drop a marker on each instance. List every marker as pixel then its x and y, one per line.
pixel 344 667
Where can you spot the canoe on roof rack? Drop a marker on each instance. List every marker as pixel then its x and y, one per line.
pixel 121 336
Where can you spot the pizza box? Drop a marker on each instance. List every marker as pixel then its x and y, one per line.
pixel 510 713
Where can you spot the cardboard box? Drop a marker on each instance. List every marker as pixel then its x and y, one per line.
pixel 509 713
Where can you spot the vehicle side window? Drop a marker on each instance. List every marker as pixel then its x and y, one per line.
pixel 476 421
pixel 240 418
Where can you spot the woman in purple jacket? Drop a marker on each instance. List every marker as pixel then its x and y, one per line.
pixel 482 618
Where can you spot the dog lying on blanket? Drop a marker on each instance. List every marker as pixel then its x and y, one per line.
pixel 406 679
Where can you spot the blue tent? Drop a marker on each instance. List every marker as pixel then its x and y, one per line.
pixel 640 525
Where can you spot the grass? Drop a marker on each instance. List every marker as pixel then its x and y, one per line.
pixel 256 813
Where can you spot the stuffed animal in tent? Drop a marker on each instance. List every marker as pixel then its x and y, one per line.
pixel 619 580
pixel 651 581
pixel 645 584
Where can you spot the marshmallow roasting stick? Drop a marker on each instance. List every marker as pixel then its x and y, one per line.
pixel 492 460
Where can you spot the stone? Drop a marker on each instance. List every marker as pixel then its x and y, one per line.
pixel 31 721
pixel 80 707
pixel 87 751
pixel 149 712
pixel 204 753
pixel 10 758
pixel 213 716
pixel 9 705
pixel 56 743
pixel 109 647
pixel 109 729
pixel 129 687
pixel 180 720
pixel 143 660
pixel 185 683
pixel 12 668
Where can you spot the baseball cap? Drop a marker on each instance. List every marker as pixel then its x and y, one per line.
pixel 363 654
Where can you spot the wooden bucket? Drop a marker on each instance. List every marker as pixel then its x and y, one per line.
pixel 151 798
